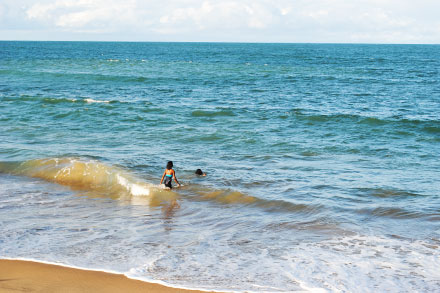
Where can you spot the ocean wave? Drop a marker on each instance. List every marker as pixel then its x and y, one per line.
pixel 432 129
pixel 89 76
pixel 92 177
pixel 386 193
pixel 228 197
pixel 202 113
pixel 45 100
pixel 55 100
pixel 400 123
pixel 95 101
pixel 81 174
pixel 392 212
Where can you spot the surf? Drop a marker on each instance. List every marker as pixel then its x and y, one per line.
pixel 94 178
pixel 82 174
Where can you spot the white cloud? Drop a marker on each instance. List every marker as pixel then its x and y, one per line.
pixel 86 14
pixel 218 15
pixel 228 20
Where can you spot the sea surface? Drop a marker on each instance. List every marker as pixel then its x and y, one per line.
pixel 322 163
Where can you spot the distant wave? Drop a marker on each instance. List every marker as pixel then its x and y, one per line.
pixel 95 101
pixel 46 100
pixel 386 193
pixel 80 77
pixel 56 100
pixel 428 125
pixel 393 212
pixel 201 113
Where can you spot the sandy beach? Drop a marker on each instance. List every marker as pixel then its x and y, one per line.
pixel 27 276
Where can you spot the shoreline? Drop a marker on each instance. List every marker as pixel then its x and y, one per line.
pixel 26 275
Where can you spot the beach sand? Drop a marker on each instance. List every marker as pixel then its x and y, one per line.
pixel 28 276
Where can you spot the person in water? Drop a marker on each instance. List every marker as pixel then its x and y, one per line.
pixel 200 172
pixel 168 175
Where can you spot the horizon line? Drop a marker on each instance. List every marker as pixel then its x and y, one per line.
pixel 225 42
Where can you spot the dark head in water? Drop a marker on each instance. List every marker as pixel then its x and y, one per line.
pixel 200 172
pixel 169 165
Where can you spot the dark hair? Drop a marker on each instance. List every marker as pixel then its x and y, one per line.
pixel 169 165
pixel 199 172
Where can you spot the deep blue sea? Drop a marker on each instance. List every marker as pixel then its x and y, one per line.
pixel 322 163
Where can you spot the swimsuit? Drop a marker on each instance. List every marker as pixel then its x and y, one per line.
pixel 167 180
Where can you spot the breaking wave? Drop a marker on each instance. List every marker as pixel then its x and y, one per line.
pixel 81 174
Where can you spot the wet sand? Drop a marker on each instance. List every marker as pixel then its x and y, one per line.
pixel 28 276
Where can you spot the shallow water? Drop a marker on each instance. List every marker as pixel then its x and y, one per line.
pixel 322 163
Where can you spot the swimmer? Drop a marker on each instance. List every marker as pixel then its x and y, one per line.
pixel 168 175
pixel 200 172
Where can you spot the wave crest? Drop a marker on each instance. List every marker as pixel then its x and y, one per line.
pixel 81 174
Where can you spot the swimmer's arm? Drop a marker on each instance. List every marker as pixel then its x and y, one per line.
pixel 161 180
pixel 175 178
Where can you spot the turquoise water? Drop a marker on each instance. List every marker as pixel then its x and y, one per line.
pixel 322 162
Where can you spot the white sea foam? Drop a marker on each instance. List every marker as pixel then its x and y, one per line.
pixel 133 188
pixel 202 247
pixel 95 101
pixel 346 264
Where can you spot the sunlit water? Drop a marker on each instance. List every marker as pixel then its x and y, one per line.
pixel 322 161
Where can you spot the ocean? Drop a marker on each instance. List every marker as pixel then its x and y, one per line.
pixel 322 163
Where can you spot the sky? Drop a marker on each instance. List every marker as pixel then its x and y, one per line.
pixel 286 21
